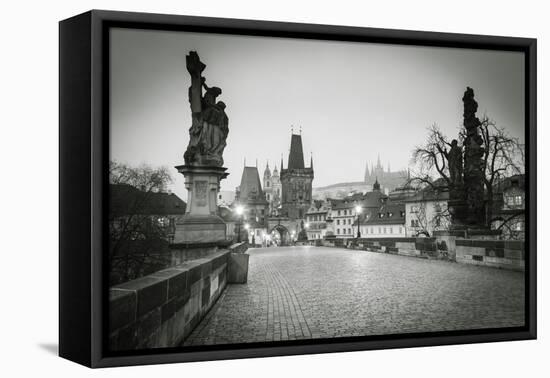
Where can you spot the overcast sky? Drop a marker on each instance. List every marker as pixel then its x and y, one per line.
pixel 353 101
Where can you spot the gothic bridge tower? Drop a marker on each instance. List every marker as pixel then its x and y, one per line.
pixel 296 181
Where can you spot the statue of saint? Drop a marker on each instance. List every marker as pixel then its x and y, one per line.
pixel 209 124
pixel 454 158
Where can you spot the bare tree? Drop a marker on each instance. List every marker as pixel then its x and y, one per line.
pixel 503 157
pixel 430 161
pixel 137 236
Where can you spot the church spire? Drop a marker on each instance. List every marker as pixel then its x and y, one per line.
pixel 376 185
pixel 378 164
pixel 366 171
pixel 281 162
pixel 311 160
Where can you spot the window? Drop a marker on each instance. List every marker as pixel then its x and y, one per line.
pixel 400 230
pixel 338 212
pixel 219 196
pixel 338 231
pixel 391 230
pixel 349 221
pixel 390 214
pixel 379 230
pixel 380 215
pixel 337 222
pixel 402 214
pixel 384 229
pixel 268 196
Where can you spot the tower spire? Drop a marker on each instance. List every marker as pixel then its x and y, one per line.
pixel 366 171
pixel 311 160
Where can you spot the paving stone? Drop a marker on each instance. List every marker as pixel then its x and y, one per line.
pixel 308 292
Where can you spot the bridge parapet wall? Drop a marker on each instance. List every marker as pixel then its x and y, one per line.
pixel 505 254
pixel 163 308
pixel 493 253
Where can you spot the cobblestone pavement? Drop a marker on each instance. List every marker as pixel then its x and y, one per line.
pixel 311 292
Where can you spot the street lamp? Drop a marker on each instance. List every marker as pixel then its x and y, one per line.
pixel 358 210
pixel 240 211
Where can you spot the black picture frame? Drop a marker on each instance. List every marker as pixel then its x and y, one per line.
pixel 83 141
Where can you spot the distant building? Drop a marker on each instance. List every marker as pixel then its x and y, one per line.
pixel 427 211
pixel 251 196
pixel 296 181
pixel 509 207
pixel 272 189
pixel 138 211
pixel 316 219
pixel 344 214
pixel 388 221
pixel 388 180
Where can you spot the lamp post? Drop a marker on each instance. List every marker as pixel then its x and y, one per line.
pixel 240 211
pixel 358 210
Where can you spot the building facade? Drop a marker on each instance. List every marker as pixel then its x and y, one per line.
pixel 344 211
pixel 316 220
pixel 251 197
pixel 296 182
pixel 427 211
pixel 388 221
pixel 509 208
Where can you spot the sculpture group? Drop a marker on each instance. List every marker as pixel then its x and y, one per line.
pixel 466 170
pixel 209 122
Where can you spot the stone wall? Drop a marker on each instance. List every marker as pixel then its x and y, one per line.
pixel 494 253
pixel 161 309
pixel 417 247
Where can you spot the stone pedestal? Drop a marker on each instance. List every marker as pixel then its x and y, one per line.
pixel 201 223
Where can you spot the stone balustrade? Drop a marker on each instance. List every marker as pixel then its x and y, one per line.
pixel 163 308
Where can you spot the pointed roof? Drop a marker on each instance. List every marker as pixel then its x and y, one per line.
pixel 296 157
pixel 366 170
pixel 267 171
pixel 311 161
pixel 251 187
pixel 275 171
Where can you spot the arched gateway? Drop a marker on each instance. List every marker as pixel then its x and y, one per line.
pixel 282 230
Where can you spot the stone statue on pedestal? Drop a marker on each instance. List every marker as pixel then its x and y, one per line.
pixel 466 202
pixel 473 162
pixel 203 169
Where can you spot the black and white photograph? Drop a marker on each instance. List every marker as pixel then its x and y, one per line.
pixel 266 190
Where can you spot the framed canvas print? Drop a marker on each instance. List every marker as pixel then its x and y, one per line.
pixel 234 188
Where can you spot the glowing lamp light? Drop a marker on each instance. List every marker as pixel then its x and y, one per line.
pixel 358 209
pixel 239 210
pixel 246 226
